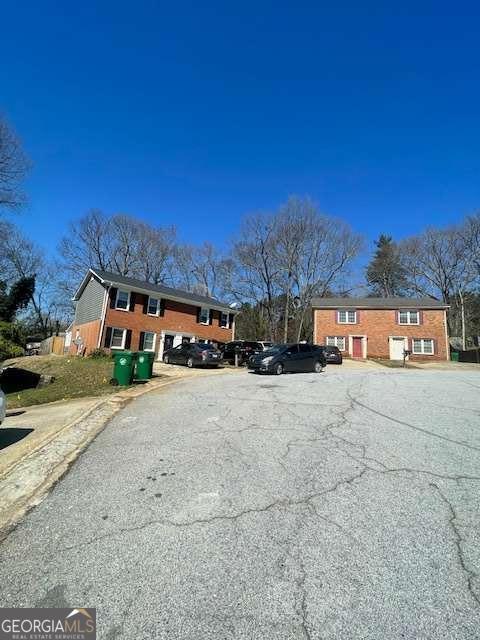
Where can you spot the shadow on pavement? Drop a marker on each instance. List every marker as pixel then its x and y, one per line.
pixel 9 436
pixel 14 379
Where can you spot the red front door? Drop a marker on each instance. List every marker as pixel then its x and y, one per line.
pixel 357 350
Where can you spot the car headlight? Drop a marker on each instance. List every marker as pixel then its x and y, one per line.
pixel 267 360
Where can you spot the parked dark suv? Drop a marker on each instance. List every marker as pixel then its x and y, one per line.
pixel 333 355
pixel 283 358
pixel 244 348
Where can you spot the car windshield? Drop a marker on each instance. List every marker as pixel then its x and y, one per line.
pixel 206 347
pixel 276 348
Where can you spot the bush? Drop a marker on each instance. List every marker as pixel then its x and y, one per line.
pixel 10 340
pixel 99 353
pixel 9 349
pixel 10 332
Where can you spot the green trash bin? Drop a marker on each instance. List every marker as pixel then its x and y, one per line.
pixel 151 357
pixel 144 365
pixel 454 356
pixel 123 367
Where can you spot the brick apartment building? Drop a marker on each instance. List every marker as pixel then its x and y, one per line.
pixel 382 327
pixel 115 312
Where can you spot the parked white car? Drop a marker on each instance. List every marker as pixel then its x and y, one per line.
pixel 3 403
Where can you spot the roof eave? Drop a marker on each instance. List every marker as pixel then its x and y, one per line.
pixel 84 283
pixel 386 307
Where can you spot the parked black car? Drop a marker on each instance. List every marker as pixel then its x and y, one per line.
pixel 193 354
pixel 283 358
pixel 333 355
pixel 244 348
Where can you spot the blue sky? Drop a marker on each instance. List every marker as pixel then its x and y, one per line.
pixel 194 114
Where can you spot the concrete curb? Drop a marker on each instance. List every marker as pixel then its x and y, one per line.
pixel 27 481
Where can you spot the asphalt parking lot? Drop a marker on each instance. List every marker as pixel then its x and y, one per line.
pixel 340 505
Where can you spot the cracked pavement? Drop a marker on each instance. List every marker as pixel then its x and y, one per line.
pixel 318 506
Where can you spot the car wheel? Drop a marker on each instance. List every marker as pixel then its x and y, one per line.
pixel 317 367
pixel 279 369
pixel 166 359
pixel 190 363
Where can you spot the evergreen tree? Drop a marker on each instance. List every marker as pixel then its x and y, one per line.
pixel 17 298
pixel 385 274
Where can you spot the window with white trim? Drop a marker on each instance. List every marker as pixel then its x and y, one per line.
pixel 408 317
pixel 117 340
pixel 224 320
pixel 123 300
pixel 347 317
pixel 149 341
pixel 204 315
pixel 336 341
pixel 153 308
pixel 423 346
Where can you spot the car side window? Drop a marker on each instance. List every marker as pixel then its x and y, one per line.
pixel 305 348
pixel 293 349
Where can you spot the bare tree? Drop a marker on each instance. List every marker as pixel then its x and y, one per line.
pixel 283 260
pixel 328 251
pixel 256 275
pixel 470 234
pixel 13 167
pixel 438 263
pixel 202 269
pixel 125 234
pixel 182 273
pixel 292 225
pixel 20 258
pixel 120 243
pixel 155 252
pixel 87 244
pixel 434 262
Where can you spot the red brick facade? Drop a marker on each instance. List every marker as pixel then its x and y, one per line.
pixel 176 320
pixel 377 333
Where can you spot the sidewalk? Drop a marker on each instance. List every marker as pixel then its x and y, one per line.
pixel 449 365
pixel 350 363
pixel 46 439
pixel 46 420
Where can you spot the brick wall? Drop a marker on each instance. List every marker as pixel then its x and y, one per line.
pixel 378 325
pixel 178 318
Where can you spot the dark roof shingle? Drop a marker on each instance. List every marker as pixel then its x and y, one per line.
pixel 378 303
pixel 161 289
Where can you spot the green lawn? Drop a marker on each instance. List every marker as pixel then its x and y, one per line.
pixel 74 378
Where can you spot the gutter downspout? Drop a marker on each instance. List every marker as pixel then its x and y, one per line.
pixel 104 313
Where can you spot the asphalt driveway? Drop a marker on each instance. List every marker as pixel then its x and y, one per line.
pixel 319 506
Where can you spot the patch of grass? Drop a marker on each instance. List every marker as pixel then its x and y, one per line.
pixel 74 378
